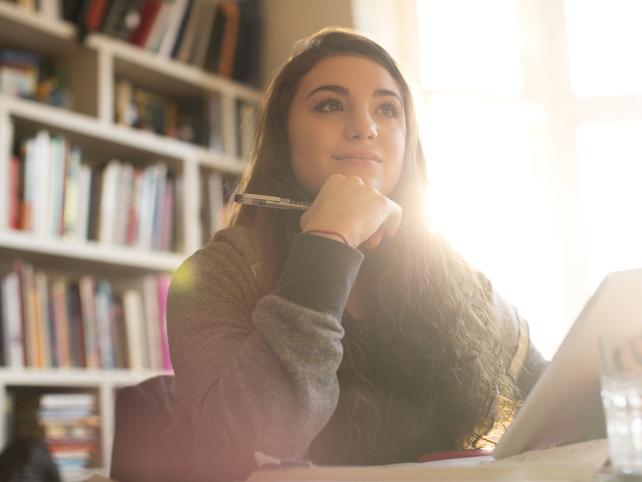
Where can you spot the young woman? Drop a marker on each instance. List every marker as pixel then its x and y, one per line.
pixel 351 333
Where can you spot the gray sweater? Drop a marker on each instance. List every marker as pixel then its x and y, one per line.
pixel 258 373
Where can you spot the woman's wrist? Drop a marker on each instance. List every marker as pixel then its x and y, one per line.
pixel 330 235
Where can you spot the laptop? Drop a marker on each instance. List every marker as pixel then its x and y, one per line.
pixel 565 406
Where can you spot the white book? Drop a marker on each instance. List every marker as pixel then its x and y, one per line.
pixel 84 201
pixel 215 200
pixel 135 329
pixel 12 326
pixel 58 150
pixel 67 400
pixel 108 201
pixel 152 321
pixel 42 309
pixel 146 213
pixel 41 153
pixel 160 172
pixel 160 26
pixel 169 39
pixel 50 9
pixel 123 201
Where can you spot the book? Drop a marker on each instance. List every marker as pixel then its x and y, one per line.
pixel 135 327
pixel 152 324
pixel 248 45
pixel 191 31
pixel 15 177
pixel 72 207
pixel 12 334
pixel 230 38
pixel 108 202
pixel 58 157
pixel 199 53
pixel 84 203
pixel 114 16
pixel 61 322
pixel 160 26
pixel 163 282
pixel 104 322
pixel 148 13
pixel 179 9
pixel 44 319
pixel 181 29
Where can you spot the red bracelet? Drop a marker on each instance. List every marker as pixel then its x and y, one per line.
pixel 332 233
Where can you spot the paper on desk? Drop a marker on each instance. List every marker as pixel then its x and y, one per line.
pixel 577 462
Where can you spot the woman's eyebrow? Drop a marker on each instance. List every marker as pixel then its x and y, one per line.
pixel 338 89
pixel 386 92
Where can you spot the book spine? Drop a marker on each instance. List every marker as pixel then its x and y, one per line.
pixel 163 282
pixel 12 322
pixel 104 321
pixel 42 307
pixel 86 286
pixel 72 201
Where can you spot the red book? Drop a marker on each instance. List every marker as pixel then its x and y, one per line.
pixel 95 14
pixel 230 38
pixel 148 13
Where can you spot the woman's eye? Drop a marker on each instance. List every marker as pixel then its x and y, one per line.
pixel 389 109
pixel 329 105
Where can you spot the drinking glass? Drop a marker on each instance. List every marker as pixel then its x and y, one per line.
pixel 621 383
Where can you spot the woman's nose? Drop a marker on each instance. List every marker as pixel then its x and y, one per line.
pixel 361 126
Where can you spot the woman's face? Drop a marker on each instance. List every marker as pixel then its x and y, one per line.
pixel 347 117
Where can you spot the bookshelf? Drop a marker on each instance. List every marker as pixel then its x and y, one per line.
pixel 95 66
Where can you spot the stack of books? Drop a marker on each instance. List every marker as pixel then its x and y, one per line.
pixel 70 427
pixel 53 321
pixel 33 76
pixel 53 193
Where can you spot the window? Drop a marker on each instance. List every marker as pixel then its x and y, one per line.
pixel 532 127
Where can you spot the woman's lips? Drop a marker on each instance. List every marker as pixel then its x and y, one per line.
pixel 358 158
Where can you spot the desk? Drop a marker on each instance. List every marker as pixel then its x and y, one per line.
pixel 581 462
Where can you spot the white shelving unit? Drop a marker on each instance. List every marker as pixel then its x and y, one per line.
pixel 93 68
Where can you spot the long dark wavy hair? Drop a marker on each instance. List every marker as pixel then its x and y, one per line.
pixel 436 344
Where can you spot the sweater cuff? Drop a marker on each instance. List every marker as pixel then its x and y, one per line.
pixel 319 274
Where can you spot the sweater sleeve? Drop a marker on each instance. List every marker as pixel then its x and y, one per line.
pixel 259 377
pixel 526 364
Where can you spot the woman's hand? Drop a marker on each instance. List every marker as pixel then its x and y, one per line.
pixel 356 211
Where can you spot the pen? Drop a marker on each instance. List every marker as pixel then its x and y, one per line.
pixel 275 202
